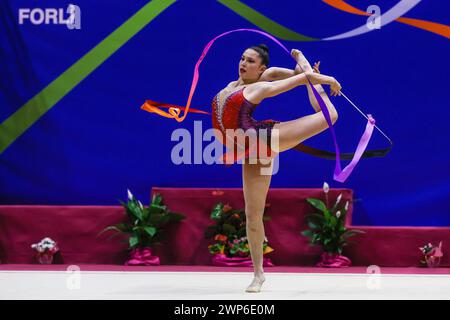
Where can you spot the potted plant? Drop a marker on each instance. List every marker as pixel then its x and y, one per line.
pixel 144 228
pixel 230 247
pixel 327 229
pixel 431 255
pixel 46 249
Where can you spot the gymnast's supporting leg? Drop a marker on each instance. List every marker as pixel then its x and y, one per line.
pixel 256 186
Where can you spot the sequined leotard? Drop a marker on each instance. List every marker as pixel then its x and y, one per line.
pixel 233 111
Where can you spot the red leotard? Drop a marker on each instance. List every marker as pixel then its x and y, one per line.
pixel 233 111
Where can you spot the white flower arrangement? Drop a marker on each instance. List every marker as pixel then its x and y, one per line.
pixel 46 245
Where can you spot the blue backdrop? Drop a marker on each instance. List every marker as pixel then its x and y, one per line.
pixel 84 139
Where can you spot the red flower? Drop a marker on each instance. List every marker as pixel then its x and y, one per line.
pixel 226 208
pixel 236 216
pixel 220 237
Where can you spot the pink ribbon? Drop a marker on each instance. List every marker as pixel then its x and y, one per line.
pixel 142 257
pixel 224 261
pixel 333 261
pixel 340 175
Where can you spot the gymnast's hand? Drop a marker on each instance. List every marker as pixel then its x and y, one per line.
pixel 335 88
pixel 316 67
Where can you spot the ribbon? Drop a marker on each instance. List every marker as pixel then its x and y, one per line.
pixel 340 174
pixel 142 257
pixel 222 260
pixel 174 110
pixel 333 261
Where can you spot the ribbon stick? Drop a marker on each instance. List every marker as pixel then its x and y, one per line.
pixel 340 174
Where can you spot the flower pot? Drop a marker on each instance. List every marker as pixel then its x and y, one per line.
pixel 333 260
pixel 243 254
pixel 433 261
pixel 142 257
pixel 222 260
pixel 45 258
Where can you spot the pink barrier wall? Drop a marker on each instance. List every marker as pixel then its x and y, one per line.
pixel 75 228
pixel 287 209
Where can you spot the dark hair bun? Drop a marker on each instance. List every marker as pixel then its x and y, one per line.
pixel 264 47
pixel 263 52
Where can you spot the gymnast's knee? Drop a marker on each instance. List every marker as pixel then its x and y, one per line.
pixel 253 217
pixel 333 116
pixel 333 113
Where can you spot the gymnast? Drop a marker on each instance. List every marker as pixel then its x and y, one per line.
pixel 232 108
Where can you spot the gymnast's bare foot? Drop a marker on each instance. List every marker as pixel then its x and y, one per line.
pixel 303 63
pixel 256 284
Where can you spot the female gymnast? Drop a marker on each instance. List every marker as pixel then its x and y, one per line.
pixel 232 108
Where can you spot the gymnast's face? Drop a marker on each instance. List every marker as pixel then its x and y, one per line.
pixel 250 67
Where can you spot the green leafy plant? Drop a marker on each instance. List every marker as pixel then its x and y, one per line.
pixel 229 232
pixel 145 225
pixel 327 227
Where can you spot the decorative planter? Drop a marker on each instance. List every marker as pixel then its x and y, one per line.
pixel 432 255
pixel 45 257
pixel 333 260
pixel 224 261
pixel 142 257
pixel 46 248
pixel 433 261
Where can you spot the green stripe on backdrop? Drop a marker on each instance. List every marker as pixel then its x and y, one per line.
pixel 263 22
pixel 36 107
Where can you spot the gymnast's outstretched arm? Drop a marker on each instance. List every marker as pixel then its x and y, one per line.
pixel 264 89
pixel 278 73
